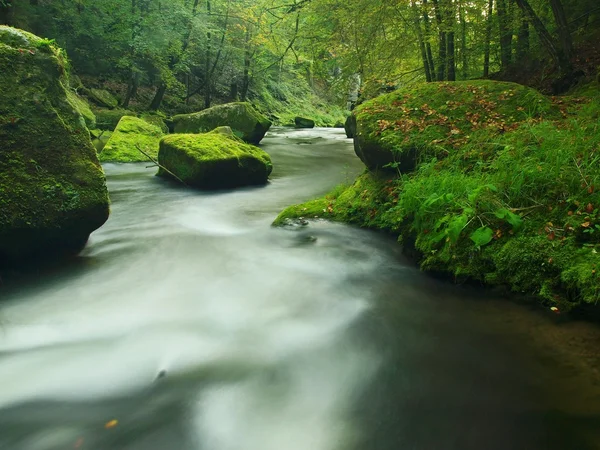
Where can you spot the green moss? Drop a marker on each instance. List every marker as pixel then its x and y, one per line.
pixel 156 120
pixel 83 108
pixel 52 188
pixel 242 118
pixel 434 119
pixel 130 133
pixel 213 160
pixel 102 98
pixel 108 119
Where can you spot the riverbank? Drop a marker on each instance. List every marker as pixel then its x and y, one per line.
pixel 516 206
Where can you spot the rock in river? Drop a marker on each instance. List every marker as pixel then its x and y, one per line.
pixel 302 122
pixel 52 188
pixel 241 117
pixel 214 160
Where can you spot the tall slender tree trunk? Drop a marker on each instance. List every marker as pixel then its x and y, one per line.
pixel 427 24
pixel 564 34
pixel 207 72
pixel 134 84
pixel 450 51
pixel 523 41
pixel 441 69
pixel 247 62
pixel 488 38
pixel 505 34
pixel 417 22
pixel 546 39
pixel 463 41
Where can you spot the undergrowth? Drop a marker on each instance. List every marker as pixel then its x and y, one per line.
pixel 519 208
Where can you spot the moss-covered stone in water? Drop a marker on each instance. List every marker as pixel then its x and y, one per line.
pixel 83 108
pixel 52 187
pixel 130 133
pixel 156 120
pixel 244 120
pixel 302 122
pixel 103 98
pixel 433 119
pixel 213 160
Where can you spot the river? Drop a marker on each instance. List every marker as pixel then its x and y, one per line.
pixel 189 323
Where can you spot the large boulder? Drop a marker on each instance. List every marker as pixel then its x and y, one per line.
pixel 303 122
pixel 215 160
pixel 399 129
pixel 130 134
pixel 241 117
pixel 52 188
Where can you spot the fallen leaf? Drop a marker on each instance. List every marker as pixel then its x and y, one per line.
pixel 111 424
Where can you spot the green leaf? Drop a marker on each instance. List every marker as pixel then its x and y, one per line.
pixel 513 219
pixel 482 236
pixel 455 227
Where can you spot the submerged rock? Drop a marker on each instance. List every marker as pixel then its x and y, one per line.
pixel 242 118
pixel 130 133
pixel 302 122
pixel 399 129
pixel 213 160
pixel 52 188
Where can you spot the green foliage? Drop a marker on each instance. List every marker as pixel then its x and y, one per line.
pixel 519 208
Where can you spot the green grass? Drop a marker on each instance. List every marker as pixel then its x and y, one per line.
pixel 519 208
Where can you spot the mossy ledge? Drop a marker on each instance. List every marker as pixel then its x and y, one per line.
pixel 519 208
pixel 52 188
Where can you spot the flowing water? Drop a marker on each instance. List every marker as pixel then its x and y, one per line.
pixel 189 323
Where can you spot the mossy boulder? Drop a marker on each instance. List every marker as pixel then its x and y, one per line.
pixel 131 133
pixel 215 160
pixel 399 129
pixel 244 120
pixel 156 120
pixel 108 119
pixel 303 122
pixel 102 97
pixel 83 108
pixel 350 126
pixel 52 188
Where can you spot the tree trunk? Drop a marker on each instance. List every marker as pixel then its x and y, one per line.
pixel 441 70
pixel 417 22
pixel 427 38
pixel 450 50
pixel 158 97
pixel 546 39
pixel 523 41
pixel 132 89
pixel 247 61
pixel 207 71
pixel 505 34
pixel 488 38
pixel 463 41
pixel 564 34
pixel 6 13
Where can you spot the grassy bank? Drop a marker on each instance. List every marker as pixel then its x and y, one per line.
pixel 517 205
